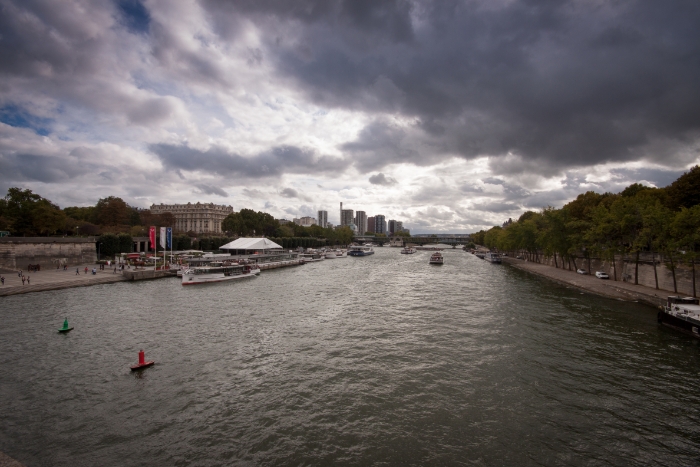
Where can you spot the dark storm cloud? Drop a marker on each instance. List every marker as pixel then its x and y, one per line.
pixel 381 179
pixel 273 163
pixel 564 83
pixel 23 167
pixel 210 190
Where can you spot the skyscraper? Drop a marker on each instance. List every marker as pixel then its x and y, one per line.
pixel 370 224
pixel 380 224
pixel 361 222
pixel 346 217
pixel 323 218
pixel 392 227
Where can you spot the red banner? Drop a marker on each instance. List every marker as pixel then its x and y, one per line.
pixel 152 237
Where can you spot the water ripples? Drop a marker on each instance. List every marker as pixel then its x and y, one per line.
pixel 356 361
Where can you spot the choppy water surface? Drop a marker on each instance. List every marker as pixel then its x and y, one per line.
pixel 356 361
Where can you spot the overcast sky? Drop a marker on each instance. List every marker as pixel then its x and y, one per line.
pixel 449 115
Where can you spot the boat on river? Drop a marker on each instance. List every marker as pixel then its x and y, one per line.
pixel 334 254
pixel 218 272
pixel 311 257
pixel 682 314
pixel 437 258
pixel 360 250
pixel 408 251
pixel 492 257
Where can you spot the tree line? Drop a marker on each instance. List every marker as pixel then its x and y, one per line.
pixel 25 213
pixel 639 219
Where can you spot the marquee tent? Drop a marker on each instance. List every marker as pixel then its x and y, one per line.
pixel 248 246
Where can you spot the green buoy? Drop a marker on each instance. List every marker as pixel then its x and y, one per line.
pixel 65 327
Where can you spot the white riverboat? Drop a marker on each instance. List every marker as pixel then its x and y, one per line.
pixel 437 258
pixel 334 254
pixel 408 251
pixel 311 257
pixel 360 250
pixel 218 272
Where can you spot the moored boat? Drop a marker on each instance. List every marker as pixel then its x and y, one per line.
pixel 218 272
pixel 408 251
pixel 312 256
pixel 492 257
pixel 682 314
pixel 360 250
pixel 437 258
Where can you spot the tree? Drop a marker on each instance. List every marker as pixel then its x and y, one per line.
pixel 685 231
pixel 112 211
pixel 685 191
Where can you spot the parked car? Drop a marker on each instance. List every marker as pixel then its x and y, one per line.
pixel 601 275
pixel 581 271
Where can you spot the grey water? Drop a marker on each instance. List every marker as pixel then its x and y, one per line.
pixel 380 360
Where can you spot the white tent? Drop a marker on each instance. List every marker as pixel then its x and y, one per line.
pixel 251 244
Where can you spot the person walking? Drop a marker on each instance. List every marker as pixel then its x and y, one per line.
pixel 2 280
pixel 86 269
pixel 28 280
pixel 77 271
pixel 23 279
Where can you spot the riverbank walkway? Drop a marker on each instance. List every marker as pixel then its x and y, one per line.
pixel 54 279
pixel 590 283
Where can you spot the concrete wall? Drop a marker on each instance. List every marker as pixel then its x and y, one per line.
pixel 19 252
pixel 626 269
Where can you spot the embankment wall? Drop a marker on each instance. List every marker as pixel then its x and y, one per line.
pixel 625 267
pixel 19 252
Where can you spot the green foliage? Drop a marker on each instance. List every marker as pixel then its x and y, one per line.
pixel 248 223
pixel 26 213
pixel 685 192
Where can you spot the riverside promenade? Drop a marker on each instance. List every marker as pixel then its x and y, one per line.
pixel 54 279
pixel 590 283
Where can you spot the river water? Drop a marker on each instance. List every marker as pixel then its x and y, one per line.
pixel 381 360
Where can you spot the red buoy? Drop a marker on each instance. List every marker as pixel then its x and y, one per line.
pixel 142 362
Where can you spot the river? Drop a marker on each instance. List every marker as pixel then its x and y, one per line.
pixel 380 360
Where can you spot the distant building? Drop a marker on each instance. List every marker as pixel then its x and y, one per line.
pixel 370 224
pixel 283 221
pixel 199 217
pixel 380 224
pixel 361 222
pixel 347 217
pixel 305 221
pixel 399 227
pixel 392 227
pixel 323 218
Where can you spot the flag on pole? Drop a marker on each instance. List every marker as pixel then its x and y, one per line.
pixel 152 236
pixel 169 237
pixel 162 237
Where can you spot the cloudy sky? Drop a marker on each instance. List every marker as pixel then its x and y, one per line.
pixel 448 115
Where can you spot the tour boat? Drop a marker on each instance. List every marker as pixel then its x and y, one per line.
pixel 217 272
pixel 436 258
pixel 429 248
pixel 360 250
pixel 492 257
pixel 408 251
pixel 312 257
pixel 333 254
pixel 682 314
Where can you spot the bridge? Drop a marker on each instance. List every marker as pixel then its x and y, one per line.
pixel 412 240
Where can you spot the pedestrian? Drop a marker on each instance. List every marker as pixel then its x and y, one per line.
pixel 2 280
pixel 27 280
pixel 86 269
pixel 23 279
pixel 77 271
pixel 115 270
